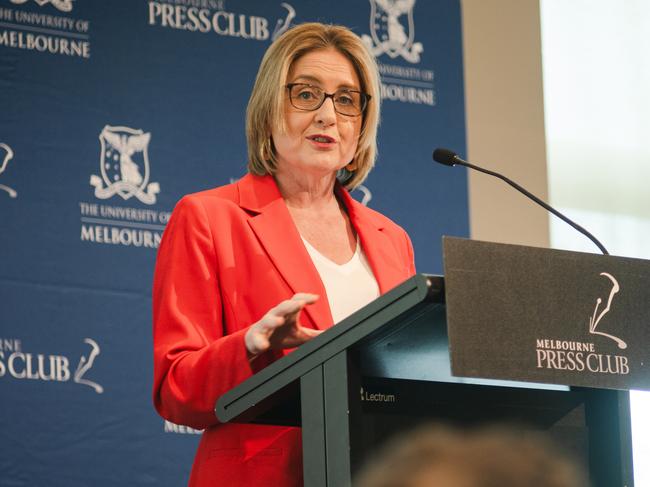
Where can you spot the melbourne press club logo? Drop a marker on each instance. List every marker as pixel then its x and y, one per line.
pixel 584 356
pixel 6 155
pixel 16 363
pixel 124 175
pixel 213 16
pixel 392 35
pixel 46 29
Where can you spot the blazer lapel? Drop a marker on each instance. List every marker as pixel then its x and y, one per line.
pixel 386 264
pixel 279 236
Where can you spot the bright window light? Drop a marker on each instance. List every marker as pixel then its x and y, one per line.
pixel 596 67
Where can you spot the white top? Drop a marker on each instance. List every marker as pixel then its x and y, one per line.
pixel 349 286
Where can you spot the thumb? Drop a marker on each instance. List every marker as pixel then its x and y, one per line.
pixel 310 332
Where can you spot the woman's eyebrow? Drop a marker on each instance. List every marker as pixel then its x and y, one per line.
pixel 307 77
pixel 316 80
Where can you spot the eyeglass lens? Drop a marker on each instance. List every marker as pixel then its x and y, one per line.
pixel 308 97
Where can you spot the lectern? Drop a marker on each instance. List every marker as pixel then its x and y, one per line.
pixel 511 335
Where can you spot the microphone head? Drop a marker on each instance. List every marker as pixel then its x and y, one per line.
pixel 445 156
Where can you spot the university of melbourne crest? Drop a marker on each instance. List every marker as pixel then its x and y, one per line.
pixel 392 30
pixel 62 5
pixel 124 165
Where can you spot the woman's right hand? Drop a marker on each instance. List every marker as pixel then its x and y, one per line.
pixel 280 328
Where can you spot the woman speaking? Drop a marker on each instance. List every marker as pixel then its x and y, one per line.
pixel 248 271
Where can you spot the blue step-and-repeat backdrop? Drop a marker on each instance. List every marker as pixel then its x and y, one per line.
pixel 93 90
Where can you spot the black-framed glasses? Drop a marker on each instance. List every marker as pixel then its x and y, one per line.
pixel 304 96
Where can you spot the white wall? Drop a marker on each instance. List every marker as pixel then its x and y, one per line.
pixel 505 119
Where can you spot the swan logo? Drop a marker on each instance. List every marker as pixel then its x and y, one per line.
pixel 6 154
pixel 597 316
pixel 124 165
pixel 282 25
pixel 366 194
pixel 16 363
pixel 392 30
pixel 62 5
pixel 85 364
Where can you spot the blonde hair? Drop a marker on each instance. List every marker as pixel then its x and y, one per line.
pixel 266 104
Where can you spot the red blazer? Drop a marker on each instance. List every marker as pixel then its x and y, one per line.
pixel 227 256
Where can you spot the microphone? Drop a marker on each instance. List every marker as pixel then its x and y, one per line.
pixel 450 158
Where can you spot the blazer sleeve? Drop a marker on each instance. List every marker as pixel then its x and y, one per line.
pixel 194 360
pixel 410 259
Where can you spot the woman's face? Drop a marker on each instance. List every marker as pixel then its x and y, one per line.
pixel 322 141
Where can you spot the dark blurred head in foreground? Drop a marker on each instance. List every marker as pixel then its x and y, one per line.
pixel 443 457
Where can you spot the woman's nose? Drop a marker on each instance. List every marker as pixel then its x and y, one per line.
pixel 326 114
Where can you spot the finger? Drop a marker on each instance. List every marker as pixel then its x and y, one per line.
pixel 301 336
pixel 271 322
pixel 311 332
pixel 309 298
pixel 288 307
pixel 296 303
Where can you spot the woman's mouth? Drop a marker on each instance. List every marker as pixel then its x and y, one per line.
pixel 321 139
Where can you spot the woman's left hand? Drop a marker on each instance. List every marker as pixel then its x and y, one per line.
pixel 280 327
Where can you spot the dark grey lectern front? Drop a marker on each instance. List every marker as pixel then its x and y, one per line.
pixel 386 369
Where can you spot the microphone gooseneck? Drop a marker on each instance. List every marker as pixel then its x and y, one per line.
pixel 450 158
